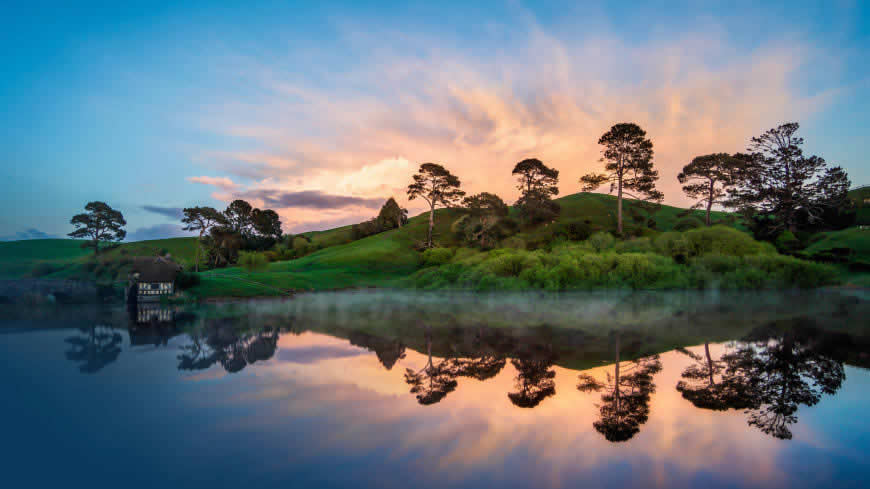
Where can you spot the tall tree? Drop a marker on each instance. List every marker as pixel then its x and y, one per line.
pixel 709 178
pixel 201 219
pixel 626 396
pixel 100 223
pixel 628 155
pixel 534 381
pixel 487 209
pixel 538 184
pixel 434 381
pixel 239 216
pixel 266 223
pixel 783 184
pixel 438 187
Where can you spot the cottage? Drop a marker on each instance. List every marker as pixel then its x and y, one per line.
pixel 152 278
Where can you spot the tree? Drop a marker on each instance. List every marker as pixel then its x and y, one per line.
pixel 783 371
pixel 239 216
pixel 709 178
pixel 625 401
pixel 706 386
pixel 201 219
pixel 266 223
pixel 486 209
pixel 100 223
pixel 538 185
pixel 100 347
pixel 628 154
pixel 779 182
pixel 534 381
pixel 392 215
pixel 434 381
pixel 438 187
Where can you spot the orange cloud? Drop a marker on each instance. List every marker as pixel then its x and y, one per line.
pixel 543 97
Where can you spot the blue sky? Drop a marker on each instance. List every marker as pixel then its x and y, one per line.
pixel 322 110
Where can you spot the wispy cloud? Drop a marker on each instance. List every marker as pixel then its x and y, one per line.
pixel 170 212
pixel 220 182
pixel 158 231
pixel 480 113
pixel 31 233
pixel 311 199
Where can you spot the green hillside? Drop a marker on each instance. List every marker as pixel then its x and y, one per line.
pixel 377 260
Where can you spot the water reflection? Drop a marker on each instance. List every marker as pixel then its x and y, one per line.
pixel 95 348
pixel 626 395
pixel 220 342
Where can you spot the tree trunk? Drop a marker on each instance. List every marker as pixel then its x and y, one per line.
pixel 196 257
pixel 616 376
pixel 619 205
pixel 710 202
pixel 709 361
pixel 431 223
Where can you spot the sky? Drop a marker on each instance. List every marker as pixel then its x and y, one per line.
pixel 323 110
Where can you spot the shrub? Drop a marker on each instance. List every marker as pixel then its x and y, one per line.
pixel 674 245
pixel 601 241
pixel 688 223
pixel 43 269
pixel 636 245
pixel 437 256
pixel 253 261
pixel 787 243
pixel 186 280
pixel 723 240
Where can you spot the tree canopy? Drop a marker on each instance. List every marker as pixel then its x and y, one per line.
pixel 781 183
pixel 709 178
pixel 628 156
pixel 438 187
pixel 99 223
pixel 538 184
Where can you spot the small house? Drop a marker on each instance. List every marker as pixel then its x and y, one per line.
pixel 152 278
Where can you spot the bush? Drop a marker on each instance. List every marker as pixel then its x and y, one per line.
pixel 601 241
pixel 688 223
pixel 186 280
pixel 253 261
pixel 43 269
pixel 787 243
pixel 636 245
pixel 514 242
pixel 437 256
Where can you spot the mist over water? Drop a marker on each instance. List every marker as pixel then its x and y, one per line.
pixel 385 389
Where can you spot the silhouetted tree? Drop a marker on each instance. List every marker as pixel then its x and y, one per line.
pixel 534 381
pixel 221 343
pixel 705 386
pixel 626 395
pixel 201 219
pixel 538 184
pixel 434 381
pixel 239 217
pixel 266 223
pixel 438 187
pixel 708 178
pixel 100 346
pixel 781 183
pixel 628 154
pixel 99 223
pixel 388 351
pixel 783 371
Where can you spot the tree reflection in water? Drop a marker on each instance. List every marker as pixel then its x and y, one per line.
pixel 626 395
pixel 434 381
pixel 535 380
pixel 99 346
pixel 705 386
pixel 221 342
pixel 783 371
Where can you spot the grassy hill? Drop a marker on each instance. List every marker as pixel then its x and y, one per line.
pixel 373 261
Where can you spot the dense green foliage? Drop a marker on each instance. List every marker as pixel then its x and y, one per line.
pixel 717 257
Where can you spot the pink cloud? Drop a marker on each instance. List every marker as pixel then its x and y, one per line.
pixel 220 182
pixel 543 97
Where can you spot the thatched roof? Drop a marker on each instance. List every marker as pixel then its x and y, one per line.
pixel 155 269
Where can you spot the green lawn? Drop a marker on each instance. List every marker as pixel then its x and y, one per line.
pixel 855 239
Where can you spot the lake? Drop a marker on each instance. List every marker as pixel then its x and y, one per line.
pixel 390 389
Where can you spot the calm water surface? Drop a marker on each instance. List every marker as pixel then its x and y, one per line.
pixel 373 389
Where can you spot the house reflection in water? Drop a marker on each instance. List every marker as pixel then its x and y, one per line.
pixel 151 312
